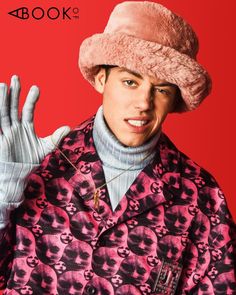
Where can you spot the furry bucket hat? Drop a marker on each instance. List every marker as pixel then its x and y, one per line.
pixel 147 38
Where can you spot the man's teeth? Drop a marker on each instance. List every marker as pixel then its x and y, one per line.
pixel 137 123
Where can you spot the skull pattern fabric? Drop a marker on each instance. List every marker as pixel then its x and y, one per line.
pixel 173 214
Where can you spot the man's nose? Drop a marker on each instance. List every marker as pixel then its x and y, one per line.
pixel 144 100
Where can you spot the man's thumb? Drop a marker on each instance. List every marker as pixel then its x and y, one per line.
pixel 60 133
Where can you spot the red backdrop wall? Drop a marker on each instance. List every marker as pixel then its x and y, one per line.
pixel 44 52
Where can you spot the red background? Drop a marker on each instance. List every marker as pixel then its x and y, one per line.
pixel 45 53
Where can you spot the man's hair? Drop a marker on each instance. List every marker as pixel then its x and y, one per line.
pixel 107 70
pixel 178 100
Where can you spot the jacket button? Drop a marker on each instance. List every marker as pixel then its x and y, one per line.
pixel 90 290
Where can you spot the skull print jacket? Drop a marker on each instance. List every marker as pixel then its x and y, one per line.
pixel 171 233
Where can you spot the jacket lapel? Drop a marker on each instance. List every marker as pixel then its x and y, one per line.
pixel 151 188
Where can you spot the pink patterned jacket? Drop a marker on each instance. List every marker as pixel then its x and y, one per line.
pixel 171 233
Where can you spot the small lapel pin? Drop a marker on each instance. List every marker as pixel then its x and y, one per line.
pixel 167 278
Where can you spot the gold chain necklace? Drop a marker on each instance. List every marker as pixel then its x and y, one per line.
pixel 97 190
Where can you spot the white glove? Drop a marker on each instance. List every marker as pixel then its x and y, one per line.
pixel 18 141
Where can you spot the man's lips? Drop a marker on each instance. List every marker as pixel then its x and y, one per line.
pixel 138 121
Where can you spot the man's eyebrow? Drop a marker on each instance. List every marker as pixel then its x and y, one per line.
pixel 131 72
pixel 163 84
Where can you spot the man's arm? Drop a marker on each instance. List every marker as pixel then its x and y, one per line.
pixel 211 259
pixel 21 150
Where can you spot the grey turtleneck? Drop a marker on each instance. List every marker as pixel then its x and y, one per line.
pixel 116 158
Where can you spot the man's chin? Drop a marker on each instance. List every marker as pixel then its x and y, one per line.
pixel 132 141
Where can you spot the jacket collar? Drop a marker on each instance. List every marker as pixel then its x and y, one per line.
pixel 149 189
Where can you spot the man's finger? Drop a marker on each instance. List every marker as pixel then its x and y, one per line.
pixel 14 98
pixel 29 106
pixel 59 134
pixel 50 142
pixel 4 107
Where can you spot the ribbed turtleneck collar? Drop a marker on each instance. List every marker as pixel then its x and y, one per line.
pixel 113 154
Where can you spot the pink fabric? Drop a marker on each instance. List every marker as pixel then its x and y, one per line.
pixel 173 215
pixel 153 22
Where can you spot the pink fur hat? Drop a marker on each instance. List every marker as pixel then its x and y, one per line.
pixel 147 38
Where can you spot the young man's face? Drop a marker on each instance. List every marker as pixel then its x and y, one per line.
pixel 134 106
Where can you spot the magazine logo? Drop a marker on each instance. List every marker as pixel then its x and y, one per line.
pixel 51 13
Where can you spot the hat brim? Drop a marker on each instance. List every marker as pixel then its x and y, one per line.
pixel 148 58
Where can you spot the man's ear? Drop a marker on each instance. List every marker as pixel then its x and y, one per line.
pixel 100 80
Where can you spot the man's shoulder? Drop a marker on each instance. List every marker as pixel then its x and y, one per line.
pixel 71 148
pixel 83 128
pixel 182 164
pixel 186 182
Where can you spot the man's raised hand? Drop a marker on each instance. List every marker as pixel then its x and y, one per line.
pixel 18 141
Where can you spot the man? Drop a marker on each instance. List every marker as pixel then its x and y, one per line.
pixel 116 208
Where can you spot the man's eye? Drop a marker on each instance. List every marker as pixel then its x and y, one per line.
pixel 162 91
pixel 130 83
